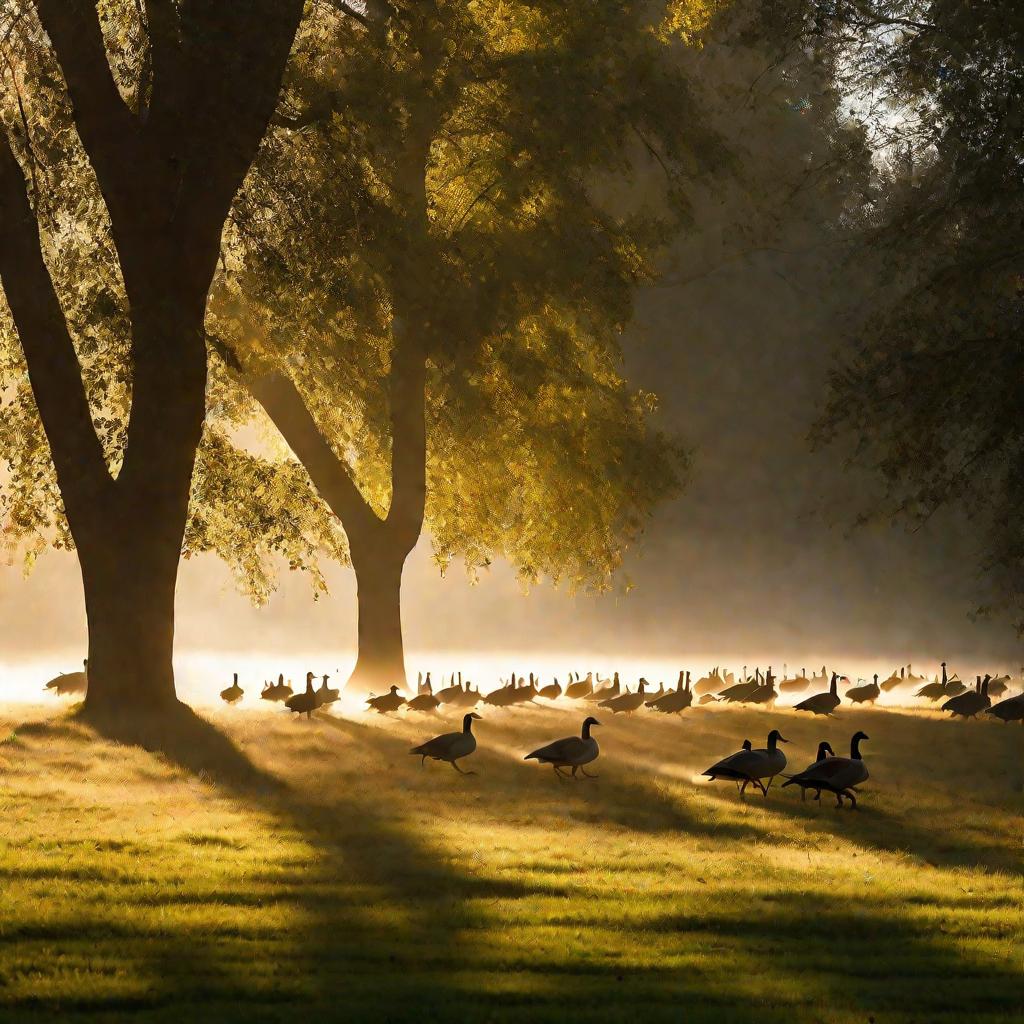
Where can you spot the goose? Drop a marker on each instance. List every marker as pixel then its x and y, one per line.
pixel 627 702
pixel 912 679
pixel 839 775
pixel 326 694
pixel 1009 710
pixel 750 766
pixel 864 694
pixel 525 694
pixel 467 697
pixel 613 689
pixel 280 691
pixel 451 746
pixel 949 687
pixel 580 688
pixel 824 750
pixel 740 692
pixel 894 680
pixel 550 692
pixel 304 703
pixel 72 682
pixel 390 701
pixel 503 697
pixel 967 705
pixel 822 703
pixel 711 683
pixel 674 701
pixel 233 693
pixel 998 686
pixel 706 698
pixel 766 692
pixel 572 752
pixel 425 700
pixel 447 693
pixel 795 685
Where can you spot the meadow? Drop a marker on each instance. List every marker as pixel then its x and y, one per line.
pixel 243 865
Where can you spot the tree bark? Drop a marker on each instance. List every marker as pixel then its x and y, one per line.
pixel 168 175
pixel 380 662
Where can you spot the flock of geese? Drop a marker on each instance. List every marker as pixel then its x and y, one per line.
pixel 747 767
pixel 956 697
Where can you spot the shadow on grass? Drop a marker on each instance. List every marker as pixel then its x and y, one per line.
pixel 350 957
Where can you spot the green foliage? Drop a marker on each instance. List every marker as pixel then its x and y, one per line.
pixel 79 250
pixel 471 169
pixel 932 389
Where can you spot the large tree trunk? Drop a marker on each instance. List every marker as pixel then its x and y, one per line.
pixel 380 662
pixel 129 602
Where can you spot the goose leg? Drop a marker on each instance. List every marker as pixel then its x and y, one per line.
pixel 758 782
pixel 575 768
pixel 743 788
pixel 588 775
pixel 853 800
pixel 423 761
pixel 460 771
pixel 839 801
pixel 559 772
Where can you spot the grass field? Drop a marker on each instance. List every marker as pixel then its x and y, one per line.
pixel 252 867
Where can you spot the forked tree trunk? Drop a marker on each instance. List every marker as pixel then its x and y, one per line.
pixel 380 662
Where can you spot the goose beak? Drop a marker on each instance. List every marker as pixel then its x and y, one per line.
pixel 782 739
pixel 477 717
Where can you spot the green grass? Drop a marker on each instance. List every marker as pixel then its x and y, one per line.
pixel 261 868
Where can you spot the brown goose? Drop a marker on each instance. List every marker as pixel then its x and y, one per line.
pixel 967 705
pixel 390 701
pixel 581 687
pixel 451 746
pixel 949 687
pixel 304 703
pixel 550 692
pixel 677 700
pixel 824 750
pixel 467 697
pixel 751 766
pixel 711 683
pixel 795 685
pixel 613 689
pixel 838 775
pixel 232 694
pixel 425 700
pixel 822 703
pixel 894 680
pixel 864 694
pixel 998 686
pixel 572 752
pixel 627 702
pixel 1009 710
pixel 73 683
pixel 326 694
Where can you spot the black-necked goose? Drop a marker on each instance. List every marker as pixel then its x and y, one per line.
pixel 452 746
pixel 572 752
pixel 822 703
pixel 751 766
pixel 304 703
pixel 824 750
pixel 838 775
pixel 867 694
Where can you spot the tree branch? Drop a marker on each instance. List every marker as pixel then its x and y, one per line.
pixel 107 127
pixel 53 368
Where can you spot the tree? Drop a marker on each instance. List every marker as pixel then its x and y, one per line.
pixel 429 272
pixel 931 389
pixel 169 113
